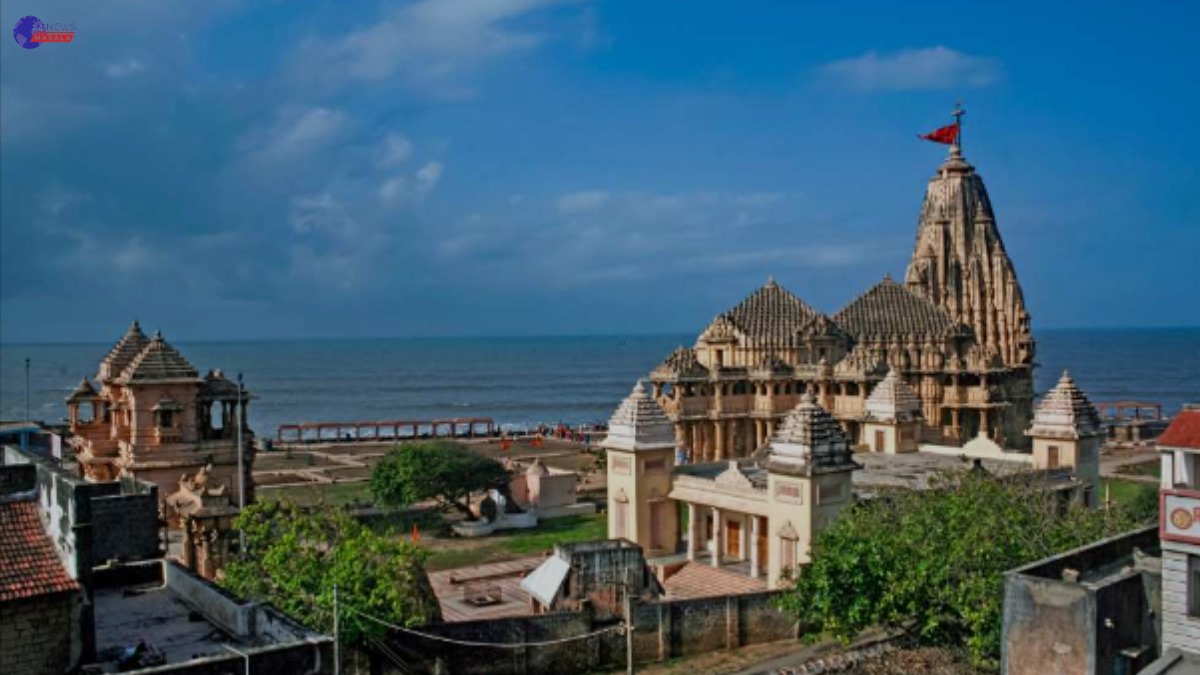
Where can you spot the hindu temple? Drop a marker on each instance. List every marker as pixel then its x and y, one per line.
pixel 955 331
pixel 150 414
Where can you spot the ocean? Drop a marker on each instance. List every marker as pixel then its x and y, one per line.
pixel 526 381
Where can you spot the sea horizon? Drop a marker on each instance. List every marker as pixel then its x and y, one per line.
pixel 526 380
pixel 519 336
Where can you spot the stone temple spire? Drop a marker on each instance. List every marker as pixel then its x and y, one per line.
pixel 959 262
pixel 640 424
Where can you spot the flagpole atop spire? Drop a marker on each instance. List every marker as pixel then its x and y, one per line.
pixel 957 113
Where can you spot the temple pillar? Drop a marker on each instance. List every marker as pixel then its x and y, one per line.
pixel 755 563
pixel 718 537
pixel 718 439
pixel 693 531
pixel 983 423
pixel 955 424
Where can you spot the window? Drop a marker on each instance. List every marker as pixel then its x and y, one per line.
pixel 829 493
pixel 1193 585
pixel 787 553
pixel 790 491
pixel 1052 457
pixel 620 465
pixel 166 419
pixel 621 521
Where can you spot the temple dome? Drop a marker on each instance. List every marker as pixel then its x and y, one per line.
pixel 888 309
pixel 123 353
pixel 1066 413
pixel 809 441
pixel 772 314
pixel 158 362
pixel 640 424
pixel 84 391
pixel 893 400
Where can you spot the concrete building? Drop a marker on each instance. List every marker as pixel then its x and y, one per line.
pixel 83 585
pixel 39 602
pixel 1179 518
pixel 956 331
pixel 1090 611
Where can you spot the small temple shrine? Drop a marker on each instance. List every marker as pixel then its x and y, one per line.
pixel 956 331
pixel 150 414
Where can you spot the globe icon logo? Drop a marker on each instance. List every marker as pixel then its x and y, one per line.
pixel 23 32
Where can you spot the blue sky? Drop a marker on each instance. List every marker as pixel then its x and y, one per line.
pixel 227 170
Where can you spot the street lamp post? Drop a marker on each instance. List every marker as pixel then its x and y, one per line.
pixel 241 466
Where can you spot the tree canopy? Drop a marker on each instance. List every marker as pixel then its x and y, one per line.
pixel 444 471
pixel 932 562
pixel 294 557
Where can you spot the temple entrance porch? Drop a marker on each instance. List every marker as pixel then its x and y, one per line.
pixel 726 539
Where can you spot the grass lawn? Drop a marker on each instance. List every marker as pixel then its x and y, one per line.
pixel 510 544
pixel 333 494
pixel 1127 491
pixel 1151 468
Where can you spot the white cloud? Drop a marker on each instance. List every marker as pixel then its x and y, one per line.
pixel 393 190
pixel 119 70
pixel 910 70
pixel 394 152
pixel 430 44
pixel 295 135
pixel 582 201
pixel 428 177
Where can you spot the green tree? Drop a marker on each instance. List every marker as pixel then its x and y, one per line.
pixel 294 557
pixel 444 471
pixel 932 562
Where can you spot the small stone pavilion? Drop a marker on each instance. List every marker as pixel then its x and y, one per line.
pixel 892 422
pixel 154 417
pixel 763 510
pixel 1067 432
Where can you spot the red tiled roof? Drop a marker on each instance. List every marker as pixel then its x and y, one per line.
pixel 1183 432
pixel 29 565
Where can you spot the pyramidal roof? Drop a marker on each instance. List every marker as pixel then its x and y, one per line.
pixel 771 312
pixel 123 353
pixel 1065 412
pixel 893 400
pixel 682 363
pixel 889 309
pixel 809 441
pixel 159 361
pixel 83 391
pixel 639 424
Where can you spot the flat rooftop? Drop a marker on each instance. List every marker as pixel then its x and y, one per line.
pixel 913 470
pixel 176 617
pixel 150 613
pixel 495 586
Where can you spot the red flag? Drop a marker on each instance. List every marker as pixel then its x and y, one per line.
pixel 505 444
pixel 947 134
pixel 416 534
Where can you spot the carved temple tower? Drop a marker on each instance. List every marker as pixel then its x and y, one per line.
pixel 959 262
